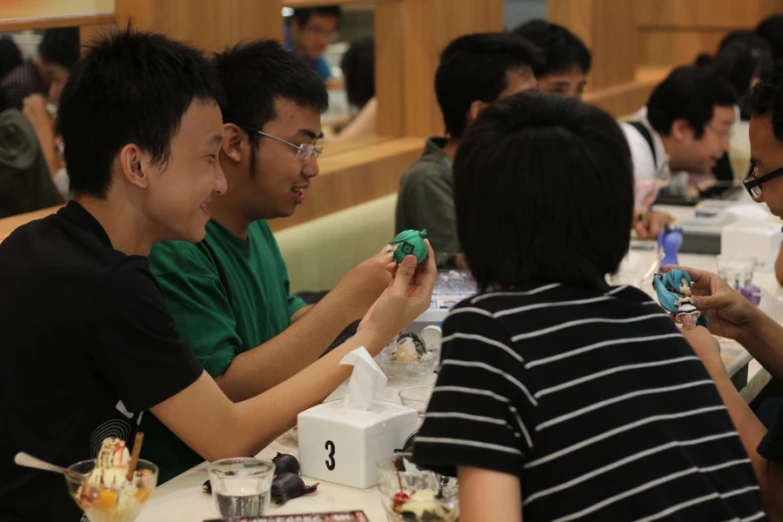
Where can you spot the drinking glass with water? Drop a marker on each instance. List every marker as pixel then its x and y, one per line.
pixel 241 486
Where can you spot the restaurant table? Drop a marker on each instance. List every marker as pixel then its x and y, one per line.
pixel 183 500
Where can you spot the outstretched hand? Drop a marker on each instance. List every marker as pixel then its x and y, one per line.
pixel 407 296
pixel 727 311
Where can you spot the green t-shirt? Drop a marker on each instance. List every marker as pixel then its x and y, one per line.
pixel 227 295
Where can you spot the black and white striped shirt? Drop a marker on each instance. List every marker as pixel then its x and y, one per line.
pixel 595 401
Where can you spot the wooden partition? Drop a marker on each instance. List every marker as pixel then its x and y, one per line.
pixel 636 42
pixel 210 24
pixel 676 31
pixel 409 35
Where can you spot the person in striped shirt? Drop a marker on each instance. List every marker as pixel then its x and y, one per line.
pixel 559 397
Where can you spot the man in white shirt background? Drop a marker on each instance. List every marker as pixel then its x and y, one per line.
pixel 685 127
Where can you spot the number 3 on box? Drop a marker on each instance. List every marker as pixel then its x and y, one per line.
pixel 329 446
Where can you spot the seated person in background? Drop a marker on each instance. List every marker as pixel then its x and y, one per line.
pixel 358 67
pixel 742 58
pixel 546 410
pixel 309 32
pixel 566 58
pixel 474 70
pixel 685 126
pixel 59 51
pixel 229 294
pixel 88 344
pixel 771 29
pixel 47 73
pixel 10 56
pixel 25 183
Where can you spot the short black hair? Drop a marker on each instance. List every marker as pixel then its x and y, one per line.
pixel 543 191
pixel 771 29
pixel 302 15
pixel 741 56
pixel 358 66
pixel 10 56
pixel 738 62
pixel 689 93
pixel 766 99
pixel 131 87
pixel 562 49
pixel 60 46
pixel 254 75
pixel 475 67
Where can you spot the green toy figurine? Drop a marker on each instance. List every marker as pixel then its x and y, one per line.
pixel 409 243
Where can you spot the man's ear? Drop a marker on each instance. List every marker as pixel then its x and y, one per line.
pixel 130 160
pixel 681 130
pixel 475 109
pixel 235 142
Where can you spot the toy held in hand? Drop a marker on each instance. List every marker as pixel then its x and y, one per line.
pixel 674 293
pixel 409 243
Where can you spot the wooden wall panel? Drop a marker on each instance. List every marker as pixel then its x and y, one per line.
pixel 676 47
pixel 607 28
pixel 389 69
pixel 88 33
pixel 420 29
pixel 673 32
pixel 706 14
pixel 211 25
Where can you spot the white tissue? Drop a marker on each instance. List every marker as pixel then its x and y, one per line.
pixel 366 382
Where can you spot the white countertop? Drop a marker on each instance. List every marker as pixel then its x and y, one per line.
pixel 182 498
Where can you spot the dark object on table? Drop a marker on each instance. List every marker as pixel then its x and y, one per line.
pixel 207 487
pixel 289 485
pixel 285 463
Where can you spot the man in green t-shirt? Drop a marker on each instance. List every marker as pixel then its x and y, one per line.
pixel 229 295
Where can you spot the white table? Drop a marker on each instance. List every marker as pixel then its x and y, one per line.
pixel 182 498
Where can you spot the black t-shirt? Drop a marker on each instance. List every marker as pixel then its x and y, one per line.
pixel 86 346
pixel 771 447
pixel 594 400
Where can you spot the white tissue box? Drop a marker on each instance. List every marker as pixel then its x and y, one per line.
pixel 752 239
pixel 343 445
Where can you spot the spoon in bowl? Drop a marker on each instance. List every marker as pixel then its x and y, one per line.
pixel 28 461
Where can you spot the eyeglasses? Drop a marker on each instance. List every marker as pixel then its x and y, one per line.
pixel 304 152
pixel 723 135
pixel 753 182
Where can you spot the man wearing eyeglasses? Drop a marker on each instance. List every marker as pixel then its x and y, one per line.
pixel 684 128
pixel 229 295
pixel 731 315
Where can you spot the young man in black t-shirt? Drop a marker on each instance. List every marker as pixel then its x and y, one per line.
pixel 731 315
pixel 558 397
pixel 87 344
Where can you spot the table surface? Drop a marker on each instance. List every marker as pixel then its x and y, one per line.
pixel 182 498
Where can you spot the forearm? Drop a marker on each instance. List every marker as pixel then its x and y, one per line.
pixel 300 313
pixel 751 431
pixel 763 338
pixel 215 427
pixel 298 346
pixel 266 417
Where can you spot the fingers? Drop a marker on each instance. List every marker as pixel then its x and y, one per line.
pixel 404 275
pixel 428 271
pixel 697 276
pixel 713 302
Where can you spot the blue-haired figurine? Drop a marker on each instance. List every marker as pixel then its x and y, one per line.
pixel 674 293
